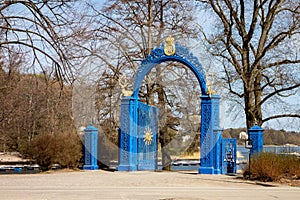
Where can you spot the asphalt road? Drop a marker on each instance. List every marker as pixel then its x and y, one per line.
pixel 137 185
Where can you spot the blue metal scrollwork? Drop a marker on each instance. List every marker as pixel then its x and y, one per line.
pixel 182 55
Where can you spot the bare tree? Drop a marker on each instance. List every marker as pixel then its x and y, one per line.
pixel 33 108
pixel 44 31
pixel 124 34
pixel 257 45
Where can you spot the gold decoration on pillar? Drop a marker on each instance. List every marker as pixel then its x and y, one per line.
pixel 123 82
pixel 169 48
pixel 210 91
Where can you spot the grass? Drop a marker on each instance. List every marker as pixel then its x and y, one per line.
pixel 273 167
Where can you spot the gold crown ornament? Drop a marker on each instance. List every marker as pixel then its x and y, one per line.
pixel 169 48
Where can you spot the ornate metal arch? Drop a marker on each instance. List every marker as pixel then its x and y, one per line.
pixel 210 133
pixel 181 54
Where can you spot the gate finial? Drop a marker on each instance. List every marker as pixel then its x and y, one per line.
pixel 123 83
pixel 210 91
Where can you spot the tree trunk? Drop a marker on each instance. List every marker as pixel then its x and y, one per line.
pixel 249 105
pixel 166 158
pixel 150 22
pixel 258 96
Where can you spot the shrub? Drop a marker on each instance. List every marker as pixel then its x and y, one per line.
pixel 48 149
pixel 272 167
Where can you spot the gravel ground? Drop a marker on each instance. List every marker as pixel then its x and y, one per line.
pixel 137 185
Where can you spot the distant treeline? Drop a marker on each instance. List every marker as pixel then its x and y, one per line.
pixel 271 136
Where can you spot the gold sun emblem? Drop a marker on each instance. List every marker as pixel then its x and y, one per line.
pixel 148 136
pixel 169 48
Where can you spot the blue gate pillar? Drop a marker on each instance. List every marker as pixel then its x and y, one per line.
pixel 128 135
pixel 217 134
pixel 256 135
pixel 90 148
pixel 210 135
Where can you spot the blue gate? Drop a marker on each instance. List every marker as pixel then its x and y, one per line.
pixel 147 137
pixel 228 156
pixel 138 122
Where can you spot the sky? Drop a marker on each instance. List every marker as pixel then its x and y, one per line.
pixel 227 119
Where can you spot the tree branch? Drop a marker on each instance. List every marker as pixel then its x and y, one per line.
pixel 281 116
pixel 277 92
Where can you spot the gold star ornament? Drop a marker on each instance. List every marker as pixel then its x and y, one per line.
pixel 148 136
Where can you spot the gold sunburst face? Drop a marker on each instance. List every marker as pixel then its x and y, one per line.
pixel 148 136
